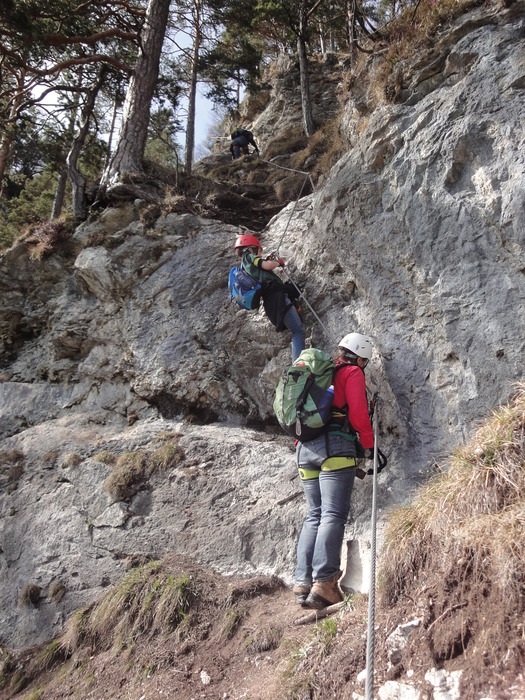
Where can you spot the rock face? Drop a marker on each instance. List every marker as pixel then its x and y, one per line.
pixel 415 237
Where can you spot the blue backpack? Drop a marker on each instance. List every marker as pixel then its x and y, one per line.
pixel 244 289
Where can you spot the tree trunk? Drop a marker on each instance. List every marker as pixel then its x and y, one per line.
pixel 60 193
pixel 322 43
pixel 306 99
pixel 112 129
pixel 192 98
pixel 135 119
pixel 78 181
pixel 8 137
pixel 351 33
pixel 60 190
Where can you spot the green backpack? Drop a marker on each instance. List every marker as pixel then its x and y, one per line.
pixel 303 399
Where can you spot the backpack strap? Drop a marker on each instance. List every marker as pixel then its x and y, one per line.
pixel 253 278
pixel 342 427
pixel 300 402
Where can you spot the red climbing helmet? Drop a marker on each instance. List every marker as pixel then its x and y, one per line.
pixel 246 241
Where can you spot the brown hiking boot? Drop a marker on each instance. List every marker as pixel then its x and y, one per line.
pixel 301 591
pixel 325 593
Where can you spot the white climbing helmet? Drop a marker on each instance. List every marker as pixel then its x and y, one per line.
pixel 359 344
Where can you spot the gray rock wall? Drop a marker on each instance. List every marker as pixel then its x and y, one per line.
pixel 415 237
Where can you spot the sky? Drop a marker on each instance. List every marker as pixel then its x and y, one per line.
pixel 203 113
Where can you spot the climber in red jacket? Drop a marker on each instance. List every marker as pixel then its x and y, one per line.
pixel 327 467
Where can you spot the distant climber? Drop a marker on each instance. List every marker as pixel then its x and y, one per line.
pixel 279 298
pixel 327 468
pixel 241 139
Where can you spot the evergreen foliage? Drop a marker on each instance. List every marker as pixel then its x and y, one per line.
pixel 50 58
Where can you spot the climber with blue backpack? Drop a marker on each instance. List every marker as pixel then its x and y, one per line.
pixel 254 279
pixel 327 466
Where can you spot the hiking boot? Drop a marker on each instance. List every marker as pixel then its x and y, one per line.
pixel 325 593
pixel 301 591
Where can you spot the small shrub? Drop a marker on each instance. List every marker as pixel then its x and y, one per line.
pixel 30 595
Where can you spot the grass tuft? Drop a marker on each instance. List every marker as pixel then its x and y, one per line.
pixel 232 620
pixel 132 470
pixel 57 591
pixel 46 237
pixel 127 477
pixel 30 596
pixel 149 601
pixel 466 528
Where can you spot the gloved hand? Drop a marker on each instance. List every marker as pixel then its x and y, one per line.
pixel 273 256
pixel 369 453
pixel 382 461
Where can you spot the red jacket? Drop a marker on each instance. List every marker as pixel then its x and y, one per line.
pixel 350 390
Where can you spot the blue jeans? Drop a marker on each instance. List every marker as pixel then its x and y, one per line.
pixel 293 322
pixel 328 502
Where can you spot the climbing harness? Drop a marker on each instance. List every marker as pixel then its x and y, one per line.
pixel 369 687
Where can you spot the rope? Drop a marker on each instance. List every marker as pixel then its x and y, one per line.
pixel 369 688
pixel 329 336
pixel 307 177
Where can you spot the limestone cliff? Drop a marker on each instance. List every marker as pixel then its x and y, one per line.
pixel 125 340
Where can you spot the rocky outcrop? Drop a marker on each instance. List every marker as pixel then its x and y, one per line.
pixel 415 237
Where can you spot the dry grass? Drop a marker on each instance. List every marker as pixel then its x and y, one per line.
pixel 286 142
pixel 166 457
pixel 484 486
pixel 322 151
pixel 416 27
pixel 232 620
pixel 132 470
pixel 73 459
pixel 11 457
pixel 129 474
pixel 106 457
pixel 464 534
pixel 57 591
pixel 149 601
pixel 290 187
pixel 29 596
pixel 49 237
pixel 152 600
